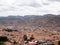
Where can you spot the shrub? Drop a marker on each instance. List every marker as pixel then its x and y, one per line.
pixel 3 39
pixel 25 37
pixel 1 43
pixel 31 38
pixel 15 42
pixel 9 30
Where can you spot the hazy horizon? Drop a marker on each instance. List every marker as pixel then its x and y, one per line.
pixel 28 15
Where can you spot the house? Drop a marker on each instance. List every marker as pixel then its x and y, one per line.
pixel 48 44
pixel 32 43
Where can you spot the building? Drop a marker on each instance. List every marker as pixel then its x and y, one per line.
pixel 48 44
pixel 57 42
pixel 32 43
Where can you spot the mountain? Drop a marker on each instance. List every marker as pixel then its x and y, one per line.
pixel 45 21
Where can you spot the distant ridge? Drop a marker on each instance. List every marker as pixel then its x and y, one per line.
pixel 48 20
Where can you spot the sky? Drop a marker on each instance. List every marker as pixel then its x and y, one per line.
pixel 29 7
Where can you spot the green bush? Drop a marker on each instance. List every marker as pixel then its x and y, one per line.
pixel 3 39
pixel 25 37
pixel 1 43
pixel 9 30
pixel 31 38
pixel 15 42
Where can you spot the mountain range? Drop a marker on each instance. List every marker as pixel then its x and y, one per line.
pixel 48 20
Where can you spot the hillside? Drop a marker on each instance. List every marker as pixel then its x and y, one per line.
pixel 43 28
pixel 46 21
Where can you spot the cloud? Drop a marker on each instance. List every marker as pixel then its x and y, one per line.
pixel 35 5
pixel 29 7
pixel 55 0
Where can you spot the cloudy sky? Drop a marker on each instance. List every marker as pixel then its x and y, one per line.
pixel 29 7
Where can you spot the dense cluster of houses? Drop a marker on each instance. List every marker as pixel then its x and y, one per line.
pixel 41 42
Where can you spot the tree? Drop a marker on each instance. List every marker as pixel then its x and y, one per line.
pixel 2 43
pixel 15 43
pixel 3 39
pixel 25 37
pixel 31 38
